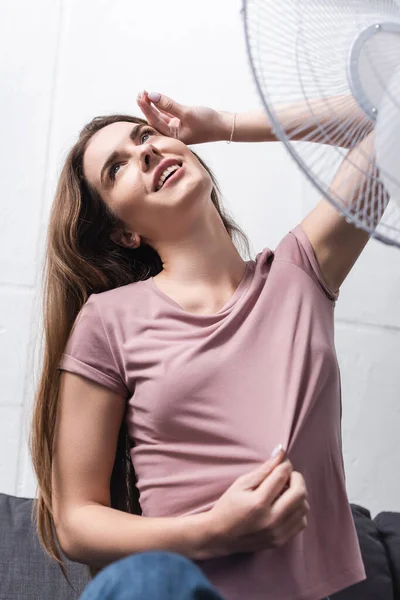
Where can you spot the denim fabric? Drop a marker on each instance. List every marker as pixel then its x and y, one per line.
pixel 151 576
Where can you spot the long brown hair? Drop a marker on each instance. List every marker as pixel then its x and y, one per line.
pixel 81 259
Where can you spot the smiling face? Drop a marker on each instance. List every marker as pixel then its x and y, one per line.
pixel 121 163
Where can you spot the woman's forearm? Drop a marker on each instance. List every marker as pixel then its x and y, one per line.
pixel 301 121
pixel 98 535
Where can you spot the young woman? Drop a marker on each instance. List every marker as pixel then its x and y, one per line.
pixel 168 353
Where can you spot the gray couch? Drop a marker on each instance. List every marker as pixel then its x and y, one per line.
pixel 26 573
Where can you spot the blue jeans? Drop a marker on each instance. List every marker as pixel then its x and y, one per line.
pixel 151 576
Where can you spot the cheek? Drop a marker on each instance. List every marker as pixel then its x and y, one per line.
pixel 129 195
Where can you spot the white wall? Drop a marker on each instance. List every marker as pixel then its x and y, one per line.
pixel 64 62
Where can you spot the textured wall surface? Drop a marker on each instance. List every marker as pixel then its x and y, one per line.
pixel 64 62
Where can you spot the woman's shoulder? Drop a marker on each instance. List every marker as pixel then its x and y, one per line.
pixel 120 301
pixel 118 294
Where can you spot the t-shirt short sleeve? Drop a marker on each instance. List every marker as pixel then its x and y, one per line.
pixel 296 248
pixel 88 352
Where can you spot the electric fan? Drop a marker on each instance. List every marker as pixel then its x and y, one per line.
pixel 339 59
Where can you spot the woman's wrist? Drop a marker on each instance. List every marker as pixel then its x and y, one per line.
pixel 251 126
pixel 225 129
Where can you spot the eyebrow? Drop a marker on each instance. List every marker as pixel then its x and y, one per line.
pixel 115 154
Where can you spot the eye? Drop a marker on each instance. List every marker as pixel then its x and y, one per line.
pixel 146 131
pixel 111 172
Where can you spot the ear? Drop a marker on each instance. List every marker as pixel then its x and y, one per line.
pixel 125 238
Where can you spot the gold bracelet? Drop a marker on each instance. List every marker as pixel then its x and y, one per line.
pixel 233 128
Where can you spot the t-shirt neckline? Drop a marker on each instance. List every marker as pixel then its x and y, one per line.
pixel 241 288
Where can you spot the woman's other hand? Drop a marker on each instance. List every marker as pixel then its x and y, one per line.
pixel 189 124
pixel 262 509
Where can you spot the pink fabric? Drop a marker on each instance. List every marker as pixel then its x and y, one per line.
pixel 209 397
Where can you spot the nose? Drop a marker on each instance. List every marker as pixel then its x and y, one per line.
pixel 148 155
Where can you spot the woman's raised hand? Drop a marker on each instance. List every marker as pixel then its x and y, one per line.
pixel 262 509
pixel 189 124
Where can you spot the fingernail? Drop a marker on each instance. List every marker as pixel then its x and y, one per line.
pixel 154 96
pixel 276 451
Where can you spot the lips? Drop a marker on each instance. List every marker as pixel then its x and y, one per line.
pixel 168 162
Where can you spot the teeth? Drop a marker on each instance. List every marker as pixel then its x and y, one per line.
pixel 165 174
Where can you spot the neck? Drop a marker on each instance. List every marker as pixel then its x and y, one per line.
pixel 205 260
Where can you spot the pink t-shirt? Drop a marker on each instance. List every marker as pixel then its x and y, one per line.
pixel 209 397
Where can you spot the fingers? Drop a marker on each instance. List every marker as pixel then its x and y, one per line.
pixel 170 106
pixel 272 486
pixel 153 116
pixel 295 495
pixel 281 533
pixel 167 123
pixel 293 525
pixel 166 105
pixel 162 111
pixel 253 479
pixel 288 520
